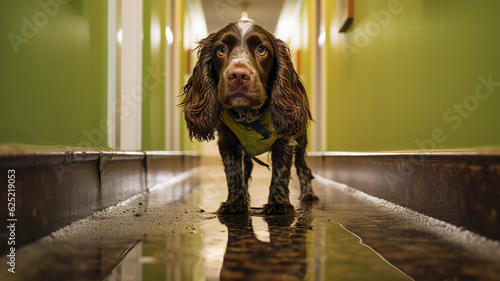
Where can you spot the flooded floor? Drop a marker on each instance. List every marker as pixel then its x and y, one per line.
pixel 173 233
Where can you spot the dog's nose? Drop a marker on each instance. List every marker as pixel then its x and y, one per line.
pixel 238 75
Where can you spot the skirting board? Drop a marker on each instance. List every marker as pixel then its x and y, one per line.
pixel 56 188
pixel 462 188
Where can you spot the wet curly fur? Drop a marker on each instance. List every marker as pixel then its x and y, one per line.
pixel 244 68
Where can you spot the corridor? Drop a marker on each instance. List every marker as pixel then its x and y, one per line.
pixel 173 233
pixel 114 115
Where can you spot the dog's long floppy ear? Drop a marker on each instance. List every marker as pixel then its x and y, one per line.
pixel 202 110
pixel 290 106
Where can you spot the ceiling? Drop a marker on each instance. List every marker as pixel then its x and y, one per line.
pixel 218 13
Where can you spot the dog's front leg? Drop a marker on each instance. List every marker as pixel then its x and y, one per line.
pixel 238 198
pixel 279 200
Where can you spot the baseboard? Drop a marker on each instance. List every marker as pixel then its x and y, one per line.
pixel 459 187
pixel 54 188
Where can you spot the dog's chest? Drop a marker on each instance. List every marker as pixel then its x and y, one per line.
pixel 255 137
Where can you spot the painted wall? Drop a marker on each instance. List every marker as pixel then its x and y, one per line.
pixel 301 44
pixel 188 60
pixel 306 63
pixel 53 72
pixel 413 75
pixel 153 79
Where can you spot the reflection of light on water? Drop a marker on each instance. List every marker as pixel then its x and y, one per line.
pixel 260 229
pixel 200 253
pixel 214 236
pixel 130 268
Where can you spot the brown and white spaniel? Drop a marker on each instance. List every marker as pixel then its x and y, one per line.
pixel 245 88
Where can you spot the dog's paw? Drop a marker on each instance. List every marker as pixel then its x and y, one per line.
pixel 232 208
pixel 309 197
pixel 278 209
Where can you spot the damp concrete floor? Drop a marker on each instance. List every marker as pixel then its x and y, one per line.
pixel 173 233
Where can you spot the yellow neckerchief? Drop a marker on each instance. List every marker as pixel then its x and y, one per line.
pixel 253 142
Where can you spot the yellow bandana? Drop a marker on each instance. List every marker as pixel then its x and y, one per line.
pixel 255 143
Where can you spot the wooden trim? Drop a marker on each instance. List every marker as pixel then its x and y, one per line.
pixel 461 188
pixel 54 188
pixel 345 14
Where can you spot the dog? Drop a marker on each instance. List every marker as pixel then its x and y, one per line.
pixel 245 88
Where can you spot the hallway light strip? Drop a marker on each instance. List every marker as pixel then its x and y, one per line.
pixel 287 20
pixel 169 35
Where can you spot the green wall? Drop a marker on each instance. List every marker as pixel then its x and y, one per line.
pixel 305 58
pixel 53 72
pixel 412 75
pixel 185 72
pixel 153 85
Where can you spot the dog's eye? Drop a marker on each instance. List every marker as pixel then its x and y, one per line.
pixel 261 50
pixel 221 51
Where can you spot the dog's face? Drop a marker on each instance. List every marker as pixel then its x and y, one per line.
pixel 243 56
pixel 240 66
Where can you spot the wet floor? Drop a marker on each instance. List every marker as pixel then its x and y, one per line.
pixel 173 233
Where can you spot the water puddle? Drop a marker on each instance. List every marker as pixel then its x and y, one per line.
pixel 256 248
pixel 173 233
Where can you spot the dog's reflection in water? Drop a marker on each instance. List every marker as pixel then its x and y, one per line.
pixel 283 258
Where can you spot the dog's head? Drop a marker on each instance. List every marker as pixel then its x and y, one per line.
pixel 241 66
